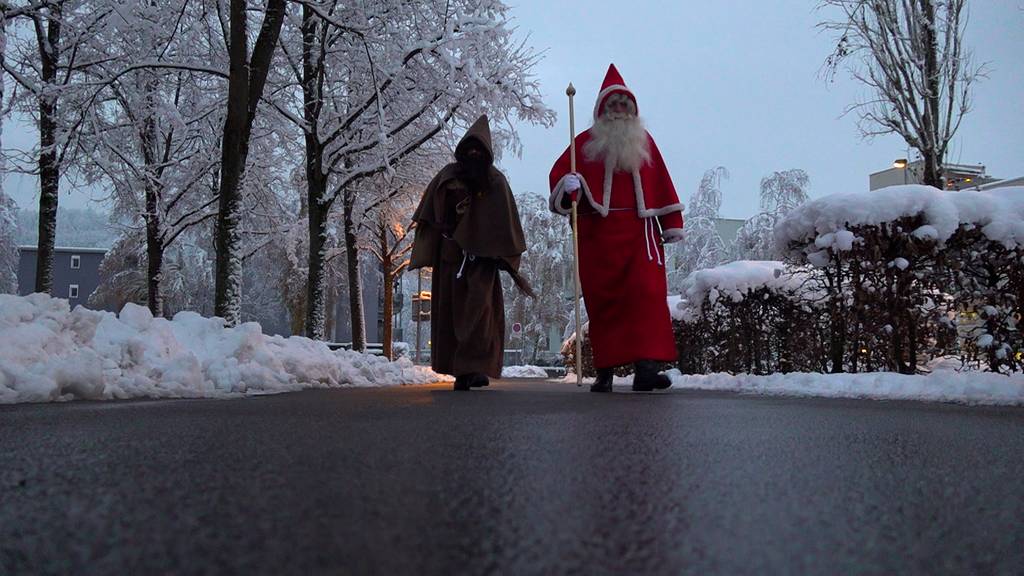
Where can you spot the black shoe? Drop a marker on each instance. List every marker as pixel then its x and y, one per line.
pixel 603 382
pixel 477 380
pixel 647 379
pixel 462 382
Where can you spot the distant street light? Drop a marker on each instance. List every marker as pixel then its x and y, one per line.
pixel 902 164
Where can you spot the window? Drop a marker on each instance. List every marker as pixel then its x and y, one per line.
pixel 76 261
pixel 73 291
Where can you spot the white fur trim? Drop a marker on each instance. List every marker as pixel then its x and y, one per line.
pixel 641 206
pixel 555 200
pixel 672 235
pixel 613 88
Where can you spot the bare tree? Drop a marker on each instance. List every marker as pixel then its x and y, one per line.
pixel 911 54
pixel 392 252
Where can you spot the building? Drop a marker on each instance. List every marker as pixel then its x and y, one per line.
pixel 728 229
pixel 1019 181
pixel 958 176
pixel 76 272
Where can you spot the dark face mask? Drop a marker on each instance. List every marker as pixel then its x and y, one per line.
pixel 476 167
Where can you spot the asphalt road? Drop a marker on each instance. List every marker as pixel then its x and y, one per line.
pixel 520 478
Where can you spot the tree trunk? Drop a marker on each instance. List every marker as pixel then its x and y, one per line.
pixel 330 328
pixel 932 158
pixel 49 166
pixel 228 290
pixel 246 80
pixel 316 286
pixel 316 181
pixel 355 285
pixel 154 229
pixel 155 265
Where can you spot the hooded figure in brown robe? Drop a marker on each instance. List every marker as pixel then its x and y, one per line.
pixel 467 229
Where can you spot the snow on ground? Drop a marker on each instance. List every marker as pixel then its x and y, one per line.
pixel 939 386
pixel 48 352
pixel 527 371
pixel 944 384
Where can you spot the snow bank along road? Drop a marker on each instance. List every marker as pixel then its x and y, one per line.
pixel 49 352
pixel 517 478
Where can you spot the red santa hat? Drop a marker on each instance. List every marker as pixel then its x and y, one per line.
pixel 613 84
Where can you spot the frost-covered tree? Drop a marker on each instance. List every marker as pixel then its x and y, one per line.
pixel 152 137
pixel 8 245
pixel 702 246
pixel 186 282
pixel 912 57
pixel 375 81
pixel 50 59
pixel 780 193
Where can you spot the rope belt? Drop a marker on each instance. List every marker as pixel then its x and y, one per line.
pixel 465 256
pixel 651 238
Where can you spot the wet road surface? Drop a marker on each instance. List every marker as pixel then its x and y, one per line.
pixel 519 478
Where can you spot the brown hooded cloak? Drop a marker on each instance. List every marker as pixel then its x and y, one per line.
pixel 467 229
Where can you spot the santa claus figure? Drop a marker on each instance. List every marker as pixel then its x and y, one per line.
pixel 628 208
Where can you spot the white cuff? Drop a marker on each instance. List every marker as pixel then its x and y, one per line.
pixel 555 200
pixel 672 235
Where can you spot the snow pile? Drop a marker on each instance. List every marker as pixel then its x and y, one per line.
pixel 527 371
pixel 48 352
pixel 733 281
pixel 999 213
pixel 942 385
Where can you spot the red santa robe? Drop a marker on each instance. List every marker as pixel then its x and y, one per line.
pixel 623 220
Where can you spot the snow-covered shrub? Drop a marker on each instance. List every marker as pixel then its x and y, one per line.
pixel 884 256
pixel 749 316
pixel 987 280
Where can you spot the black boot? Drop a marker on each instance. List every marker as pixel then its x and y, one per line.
pixel 462 382
pixel 647 379
pixel 603 382
pixel 477 380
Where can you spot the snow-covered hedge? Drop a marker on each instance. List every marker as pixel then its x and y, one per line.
pixel 49 352
pixel 829 223
pixel 915 272
pixel 872 281
pixel 747 316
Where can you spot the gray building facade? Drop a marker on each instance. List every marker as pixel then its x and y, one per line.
pixel 76 272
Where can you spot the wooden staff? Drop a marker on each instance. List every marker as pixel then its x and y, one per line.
pixel 570 92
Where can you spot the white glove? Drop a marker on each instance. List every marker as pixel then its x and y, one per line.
pixel 572 183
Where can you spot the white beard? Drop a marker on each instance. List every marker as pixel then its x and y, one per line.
pixel 621 143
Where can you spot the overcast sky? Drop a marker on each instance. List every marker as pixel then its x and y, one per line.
pixel 736 83
pixel 731 83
